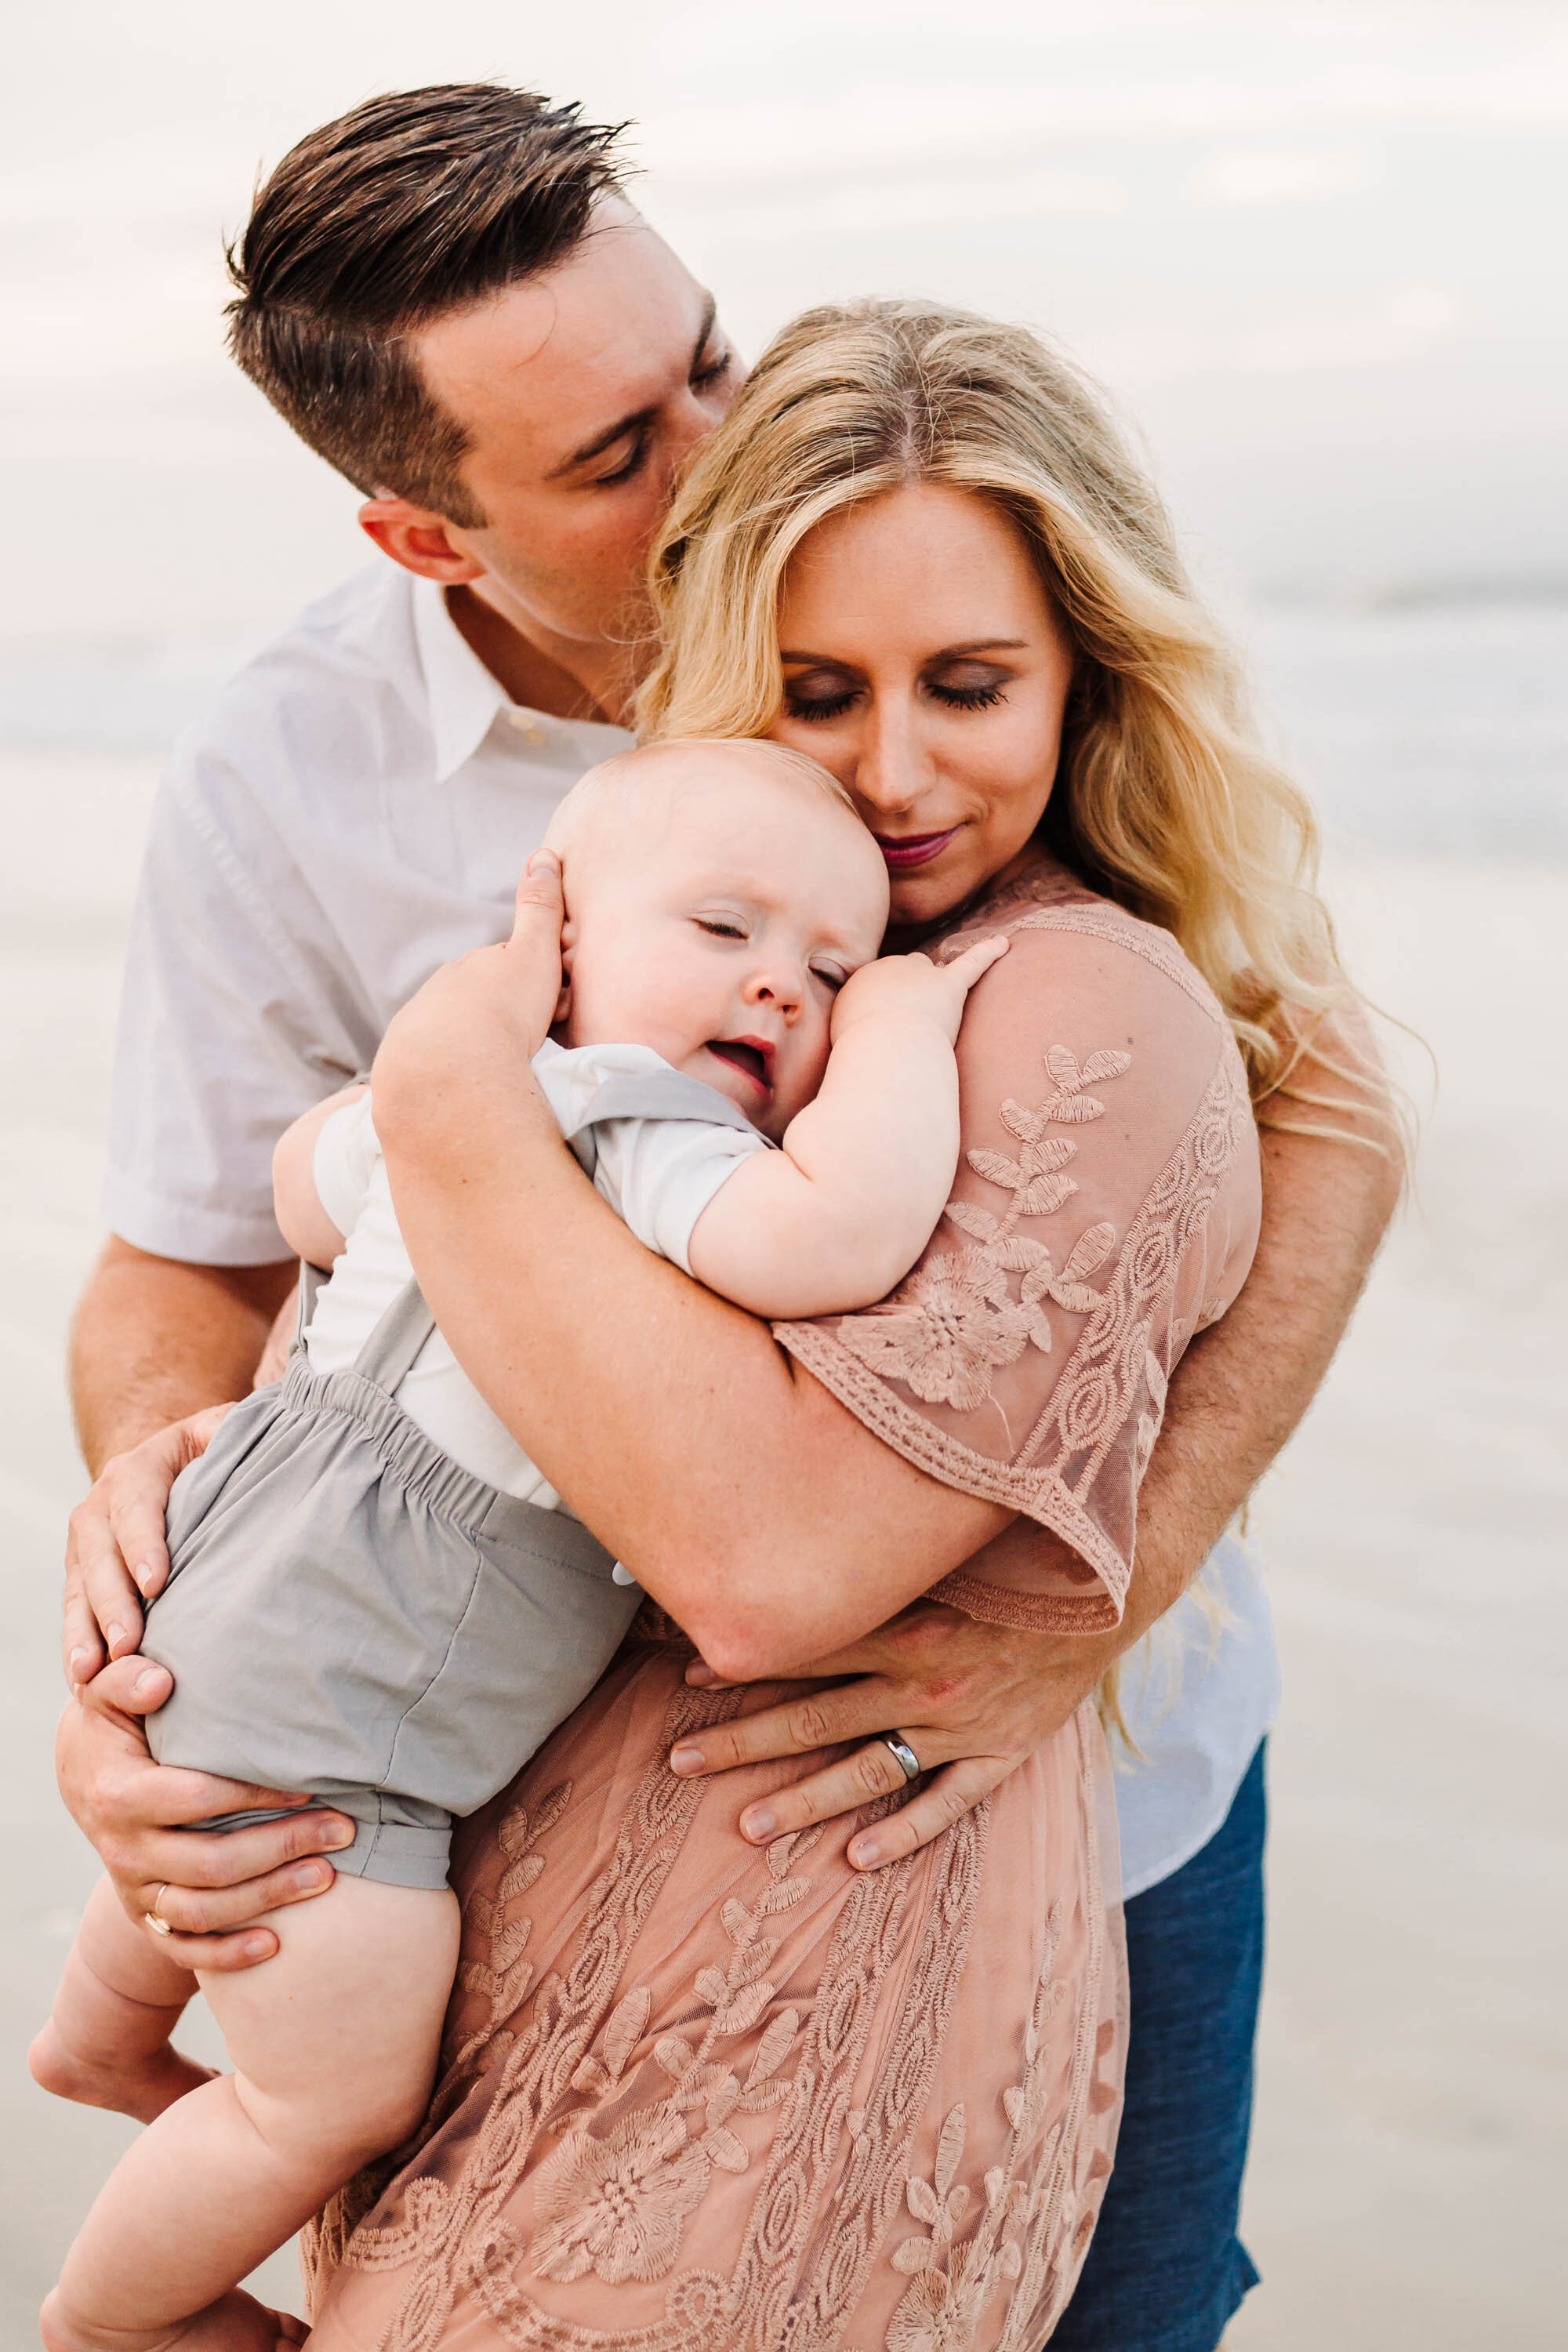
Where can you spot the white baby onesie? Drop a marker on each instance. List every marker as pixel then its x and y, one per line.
pixel 657 1172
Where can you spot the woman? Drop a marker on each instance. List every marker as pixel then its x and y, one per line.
pixel 695 2084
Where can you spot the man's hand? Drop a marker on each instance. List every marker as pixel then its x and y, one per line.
pixel 116 1556
pixel 972 1700
pixel 207 1887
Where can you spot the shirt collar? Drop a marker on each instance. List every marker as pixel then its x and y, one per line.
pixel 464 699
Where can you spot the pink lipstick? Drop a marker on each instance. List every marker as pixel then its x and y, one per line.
pixel 902 851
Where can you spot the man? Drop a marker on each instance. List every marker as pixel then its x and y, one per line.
pixel 449 297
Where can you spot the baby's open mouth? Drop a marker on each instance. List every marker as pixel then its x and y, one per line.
pixel 741 1055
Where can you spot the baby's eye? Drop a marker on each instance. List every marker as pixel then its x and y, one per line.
pixel 832 974
pixel 718 927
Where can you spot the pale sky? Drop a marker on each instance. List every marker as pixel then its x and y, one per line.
pixel 1316 252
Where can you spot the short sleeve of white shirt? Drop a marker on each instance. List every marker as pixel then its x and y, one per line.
pixel 351 811
pixel 658 1174
pixel 344 1162
pixel 222 1042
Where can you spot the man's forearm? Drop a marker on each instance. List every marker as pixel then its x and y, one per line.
pixel 154 1339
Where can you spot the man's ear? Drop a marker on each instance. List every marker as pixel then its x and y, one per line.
pixel 420 539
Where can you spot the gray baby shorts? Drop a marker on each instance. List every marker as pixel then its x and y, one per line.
pixel 351 1614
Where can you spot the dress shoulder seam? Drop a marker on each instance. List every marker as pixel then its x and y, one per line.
pixel 1102 920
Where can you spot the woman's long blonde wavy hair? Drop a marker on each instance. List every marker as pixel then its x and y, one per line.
pixel 1164 800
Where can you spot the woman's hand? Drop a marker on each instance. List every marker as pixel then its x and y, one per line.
pixel 503 997
pixel 207 1887
pixel 116 1557
pixel 972 1700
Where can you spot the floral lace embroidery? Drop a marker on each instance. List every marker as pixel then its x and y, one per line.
pixel 534 2069
pixel 614 2201
pixel 1035 2218
pixel 964 1315
pixel 945 1330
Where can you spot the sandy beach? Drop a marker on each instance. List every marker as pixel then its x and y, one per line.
pixel 1407 2181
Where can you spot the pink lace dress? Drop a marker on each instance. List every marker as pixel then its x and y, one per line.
pixel 700 2096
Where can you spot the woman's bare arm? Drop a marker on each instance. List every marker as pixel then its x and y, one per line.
pixel 974 1699
pixel 747 1500
pixel 742 1496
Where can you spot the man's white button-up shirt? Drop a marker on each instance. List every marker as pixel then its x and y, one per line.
pixel 354 812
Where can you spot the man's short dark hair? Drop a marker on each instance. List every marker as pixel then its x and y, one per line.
pixel 412 206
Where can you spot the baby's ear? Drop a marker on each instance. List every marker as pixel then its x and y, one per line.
pixel 564 1002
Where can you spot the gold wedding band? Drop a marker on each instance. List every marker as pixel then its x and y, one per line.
pixel 154 1918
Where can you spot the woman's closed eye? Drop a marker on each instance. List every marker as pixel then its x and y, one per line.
pixel 824 700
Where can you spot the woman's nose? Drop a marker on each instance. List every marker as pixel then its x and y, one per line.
pixel 892 770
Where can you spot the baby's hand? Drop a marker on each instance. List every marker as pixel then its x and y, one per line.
pixel 913 984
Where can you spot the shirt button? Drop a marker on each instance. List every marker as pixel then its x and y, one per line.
pixel 528 723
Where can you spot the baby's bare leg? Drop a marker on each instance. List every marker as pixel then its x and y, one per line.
pixel 107 2040
pixel 334 2044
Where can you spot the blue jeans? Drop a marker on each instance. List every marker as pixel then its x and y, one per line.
pixel 1165 2269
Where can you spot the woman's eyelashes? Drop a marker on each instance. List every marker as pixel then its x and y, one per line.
pixel 818 706
pixel 951 694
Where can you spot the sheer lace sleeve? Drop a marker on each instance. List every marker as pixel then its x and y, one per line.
pixel 1106 1208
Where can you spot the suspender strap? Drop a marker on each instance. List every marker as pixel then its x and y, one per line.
pixel 306 1290
pixel 389 1352
pixel 651 1094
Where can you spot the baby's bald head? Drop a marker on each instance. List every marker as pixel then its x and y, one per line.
pixel 662 791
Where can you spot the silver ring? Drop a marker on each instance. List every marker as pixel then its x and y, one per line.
pixel 154 1918
pixel 903 1754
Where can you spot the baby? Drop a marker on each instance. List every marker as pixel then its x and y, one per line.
pixel 376 1597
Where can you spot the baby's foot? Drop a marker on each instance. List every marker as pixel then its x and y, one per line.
pixel 235 2323
pixel 141 2083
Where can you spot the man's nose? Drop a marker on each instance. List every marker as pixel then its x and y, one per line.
pixel 689 423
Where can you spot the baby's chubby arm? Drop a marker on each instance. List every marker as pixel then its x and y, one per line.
pixel 295 1204
pixel 835 1218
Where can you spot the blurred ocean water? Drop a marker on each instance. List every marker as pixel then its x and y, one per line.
pixel 1440 728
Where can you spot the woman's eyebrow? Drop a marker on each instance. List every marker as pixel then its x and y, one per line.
pixel 979 645
pixel 948 652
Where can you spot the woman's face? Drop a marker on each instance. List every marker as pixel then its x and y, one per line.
pixel 924 665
